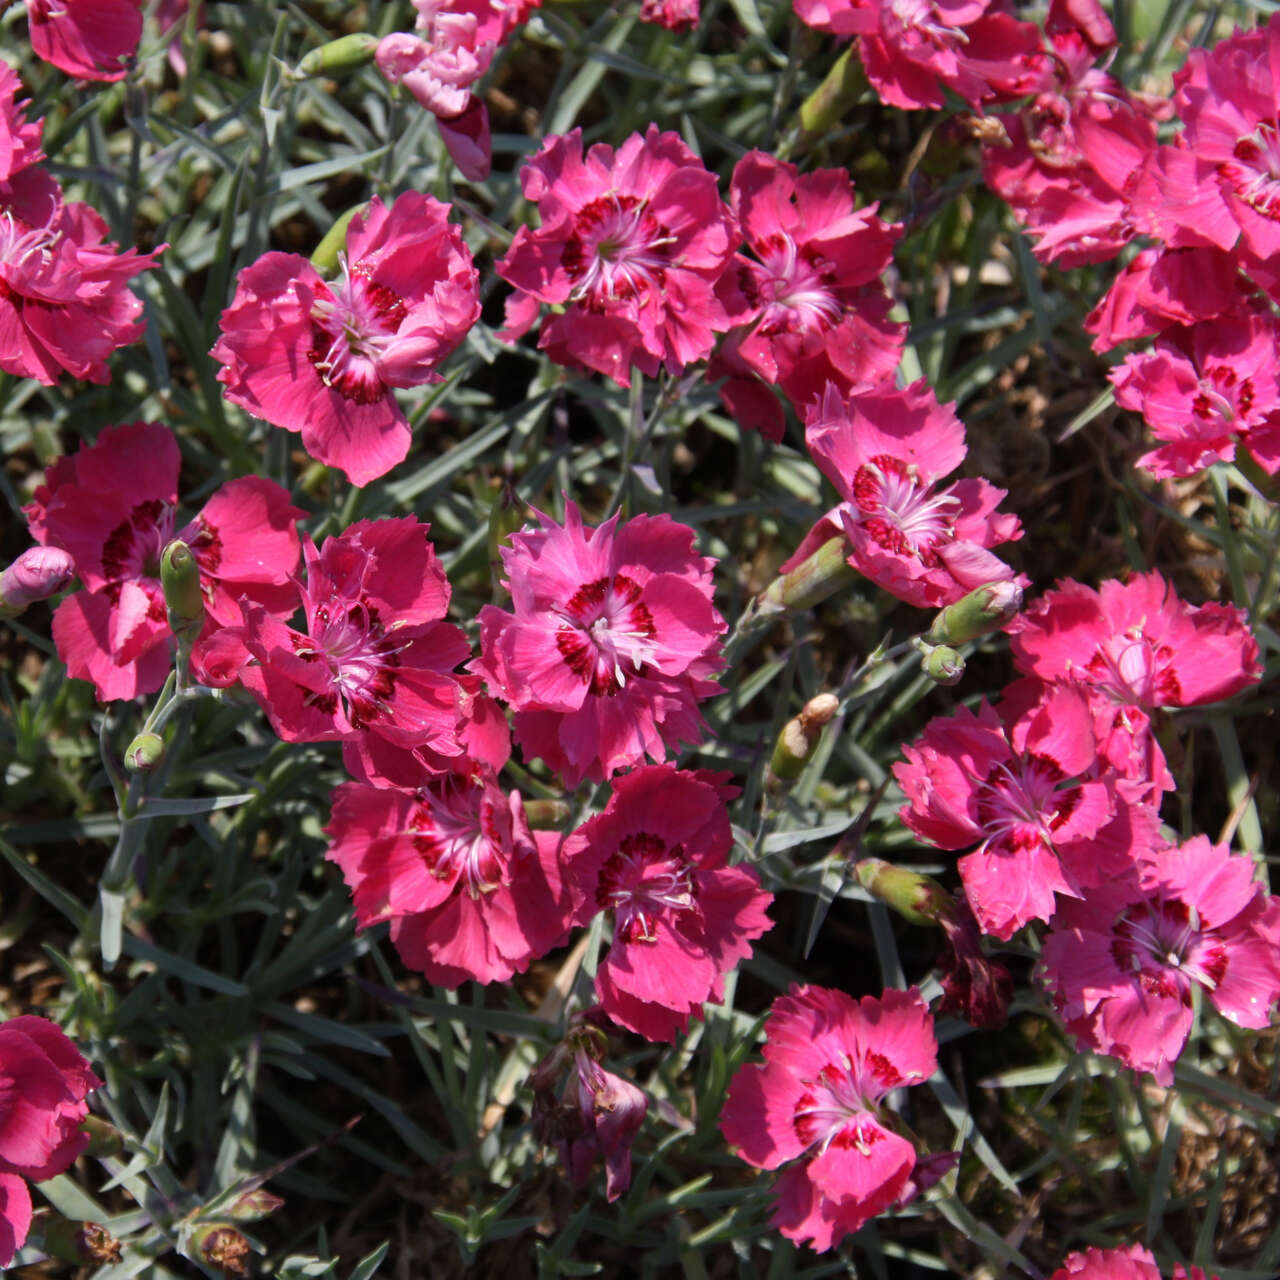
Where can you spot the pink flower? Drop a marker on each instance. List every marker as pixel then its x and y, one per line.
pixel 815 1106
pixel 65 305
pixel 813 307
pixel 112 507
pixel 885 450
pixel 675 15
pixel 44 1080
pixel 1205 389
pixel 1122 963
pixel 1129 1263
pixel 376 657
pixel 325 359
pixel 682 918
pixel 913 49
pixel 1219 180
pixel 1138 643
pixel 629 251
pixel 600 1113
pixel 610 645
pixel 1028 789
pixel 19 137
pixel 88 39
pixel 469 890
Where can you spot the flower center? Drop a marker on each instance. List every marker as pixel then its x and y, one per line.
pixel 838 1105
pixel 1255 172
pixel 1019 806
pixel 797 290
pixel 1222 396
pixel 352 324
pixel 901 514
pixel 917 23
pixel 1164 946
pixel 641 881
pixel 618 250
pixel 361 658
pixel 133 548
pixel 23 248
pixel 606 634
pixel 460 833
pixel 1133 669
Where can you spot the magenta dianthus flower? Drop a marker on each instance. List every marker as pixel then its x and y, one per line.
pixel 610 645
pixel 683 918
pixel 630 248
pixel 815 1106
pixel 324 358
pixel 1131 1262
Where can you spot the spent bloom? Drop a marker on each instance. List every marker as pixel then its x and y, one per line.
pixel 1121 965
pixel 44 1080
pixel 657 858
pixel 113 508
pixel 811 305
pixel 629 251
pixel 610 644
pixel 886 450
pixel 470 891
pixel 815 1106
pixel 324 358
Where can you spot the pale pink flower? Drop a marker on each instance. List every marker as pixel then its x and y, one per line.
pixel 610 644
pixel 470 891
pixel 44 1080
pixel 629 251
pixel 885 450
pixel 914 49
pixel 376 656
pixel 1122 963
pixel 88 39
pixel 1029 789
pixel 682 918
pixel 324 359
pixel 812 307
pixel 1206 389
pixel 816 1106
pixel 113 507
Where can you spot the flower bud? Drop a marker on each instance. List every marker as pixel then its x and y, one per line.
pixel 37 574
pixel 547 815
pixel 984 609
pixel 829 103
pixel 84 1244
pixel 326 256
pixel 799 736
pixel 144 753
pixel 180 578
pixel 256 1204
pixel 941 663
pixel 824 573
pixel 919 899
pixel 348 53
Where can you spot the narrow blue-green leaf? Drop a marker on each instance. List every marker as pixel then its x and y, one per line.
pixel 57 897
pixel 185 970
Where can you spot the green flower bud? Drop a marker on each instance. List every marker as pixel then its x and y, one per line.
pixel 547 815
pixel 942 664
pixel 104 1139
pixel 180 578
pixel 145 753
pixel 799 736
pixel 829 103
pixel 254 1205
pixel 338 57
pixel 919 899
pixel 824 573
pixel 984 609
pixel 325 257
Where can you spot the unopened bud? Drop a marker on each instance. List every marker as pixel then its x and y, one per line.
pixel 349 53
pixel 37 574
pixel 986 608
pixel 830 101
pixel 821 575
pixel 507 516
pixel 84 1244
pixel 144 753
pixel 222 1246
pixel 800 735
pixel 547 815
pixel 180 578
pixel 105 1139
pixel 326 255
pixel 942 664
pixel 920 899
pixel 254 1205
